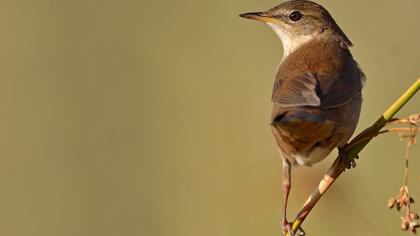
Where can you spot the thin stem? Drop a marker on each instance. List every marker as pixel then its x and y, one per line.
pixel 399 130
pixel 406 164
pixel 356 145
pixel 406 175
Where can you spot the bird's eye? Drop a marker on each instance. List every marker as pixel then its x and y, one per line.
pixel 295 16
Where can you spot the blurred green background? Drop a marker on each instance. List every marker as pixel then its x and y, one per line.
pixel 151 118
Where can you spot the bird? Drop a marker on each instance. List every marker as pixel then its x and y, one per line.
pixel 317 92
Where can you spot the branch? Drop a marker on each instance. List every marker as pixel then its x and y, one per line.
pixel 351 151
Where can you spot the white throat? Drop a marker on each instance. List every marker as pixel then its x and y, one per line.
pixel 290 43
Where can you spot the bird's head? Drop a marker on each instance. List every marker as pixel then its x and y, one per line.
pixel 297 22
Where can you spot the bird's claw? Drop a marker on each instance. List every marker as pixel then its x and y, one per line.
pixel 349 163
pixel 288 228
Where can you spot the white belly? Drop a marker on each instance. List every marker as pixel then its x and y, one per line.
pixel 317 155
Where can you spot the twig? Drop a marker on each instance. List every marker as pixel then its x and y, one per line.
pixel 400 130
pixel 403 199
pixel 351 151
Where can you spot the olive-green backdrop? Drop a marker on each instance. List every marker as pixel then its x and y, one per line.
pixel 151 118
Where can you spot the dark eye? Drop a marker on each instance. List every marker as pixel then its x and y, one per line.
pixel 295 16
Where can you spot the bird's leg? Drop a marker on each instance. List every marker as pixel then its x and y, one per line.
pixel 286 178
pixel 287 184
pixel 348 163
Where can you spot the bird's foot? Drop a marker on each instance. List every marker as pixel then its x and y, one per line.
pixel 349 162
pixel 288 229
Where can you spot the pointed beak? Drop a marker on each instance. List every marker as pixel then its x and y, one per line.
pixel 260 16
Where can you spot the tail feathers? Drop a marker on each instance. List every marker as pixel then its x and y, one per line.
pixel 303 130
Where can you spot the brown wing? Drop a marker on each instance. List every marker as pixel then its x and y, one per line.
pixel 296 92
pixel 320 90
pixel 335 91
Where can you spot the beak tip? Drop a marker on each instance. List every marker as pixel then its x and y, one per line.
pixel 244 15
pixel 249 15
pixel 258 16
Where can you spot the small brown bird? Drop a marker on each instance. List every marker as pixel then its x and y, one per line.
pixel 317 90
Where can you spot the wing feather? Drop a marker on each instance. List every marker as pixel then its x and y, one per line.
pixel 320 90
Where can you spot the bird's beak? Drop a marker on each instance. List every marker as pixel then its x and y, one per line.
pixel 260 16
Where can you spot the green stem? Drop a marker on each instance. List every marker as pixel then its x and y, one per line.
pixel 355 146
